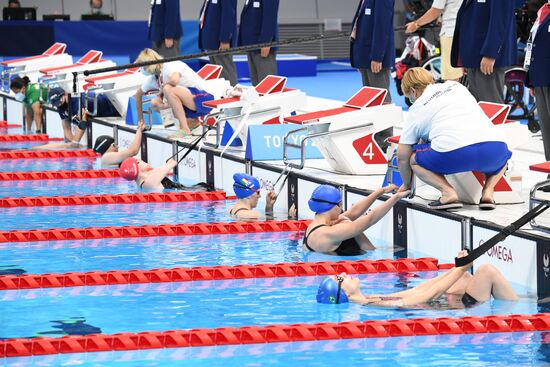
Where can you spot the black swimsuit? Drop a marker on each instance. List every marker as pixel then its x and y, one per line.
pixel 348 247
pixel 236 211
pixel 171 185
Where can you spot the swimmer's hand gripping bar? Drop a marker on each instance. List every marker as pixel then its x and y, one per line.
pixel 504 232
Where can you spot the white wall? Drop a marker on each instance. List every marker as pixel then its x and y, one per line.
pixel 290 10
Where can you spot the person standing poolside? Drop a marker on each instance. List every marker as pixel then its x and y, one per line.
pixel 32 95
pixel 447 9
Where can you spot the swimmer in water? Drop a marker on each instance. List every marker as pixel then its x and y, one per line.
pixel 110 155
pixel 247 190
pixel 341 233
pixel 487 281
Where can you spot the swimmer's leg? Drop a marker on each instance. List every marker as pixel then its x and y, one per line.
pixel 487 281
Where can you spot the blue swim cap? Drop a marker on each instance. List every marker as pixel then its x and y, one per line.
pixel 328 292
pixel 324 198
pixel 245 185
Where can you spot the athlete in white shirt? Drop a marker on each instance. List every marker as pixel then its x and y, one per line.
pixel 180 88
pixel 460 138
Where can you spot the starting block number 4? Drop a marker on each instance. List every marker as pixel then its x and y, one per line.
pixel 369 151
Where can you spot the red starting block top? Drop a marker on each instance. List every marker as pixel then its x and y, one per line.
pixel 271 84
pixel 209 71
pixel 55 49
pixel 215 103
pixel 313 116
pixel 367 97
pixel 394 139
pixel 540 167
pixel 111 76
pixel 91 57
pixel 496 112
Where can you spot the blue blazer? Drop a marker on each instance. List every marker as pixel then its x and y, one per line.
pixel 374 35
pixel 259 22
pixel 485 28
pixel 539 69
pixel 219 25
pixel 165 20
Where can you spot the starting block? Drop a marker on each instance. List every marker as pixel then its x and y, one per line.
pixel 267 103
pixel 469 185
pixel 62 75
pixel 346 136
pixel 117 87
pixel 30 66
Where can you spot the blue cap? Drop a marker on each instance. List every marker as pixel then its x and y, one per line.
pixel 245 185
pixel 324 198
pixel 328 292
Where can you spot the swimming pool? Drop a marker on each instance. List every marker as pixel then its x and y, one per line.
pixel 67 187
pixel 162 252
pixel 481 350
pixel 17 145
pixel 115 215
pixel 49 164
pixel 227 303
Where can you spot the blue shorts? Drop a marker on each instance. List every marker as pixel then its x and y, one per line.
pixel 487 157
pixel 200 97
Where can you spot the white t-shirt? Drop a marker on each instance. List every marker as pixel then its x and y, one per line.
pixel 188 77
pixel 448 18
pixel 448 116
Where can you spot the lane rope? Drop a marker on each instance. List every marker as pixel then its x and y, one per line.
pixel 66 234
pixel 20 347
pixel 59 175
pixel 27 201
pixel 221 272
pixel 38 154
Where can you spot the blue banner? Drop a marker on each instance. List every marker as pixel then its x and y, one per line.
pixel 265 142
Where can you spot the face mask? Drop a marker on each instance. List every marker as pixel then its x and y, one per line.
pixel 19 97
pixel 145 72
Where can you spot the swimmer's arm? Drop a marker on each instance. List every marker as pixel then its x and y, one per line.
pixel 404 153
pixel 115 158
pixel 436 289
pixel 362 205
pixel 139 103
pixel 348 229
pixel 158 174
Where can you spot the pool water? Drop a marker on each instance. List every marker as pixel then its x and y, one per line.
pixel 162 252
pixel 477 350
pixel 115 215
pixel 209 304
pixel 67 187
pixel 49 164
pixel 19 145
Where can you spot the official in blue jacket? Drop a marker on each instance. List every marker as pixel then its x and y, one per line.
pixel 218 31
pixel 484 43
pixel 538 75
pixel 372 48
pixel 165 27
pixel 259 25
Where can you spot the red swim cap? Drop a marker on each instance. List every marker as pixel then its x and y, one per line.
pixel 129 169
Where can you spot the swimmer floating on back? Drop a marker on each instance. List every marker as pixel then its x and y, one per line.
pixel 341 233
pixel 487 281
